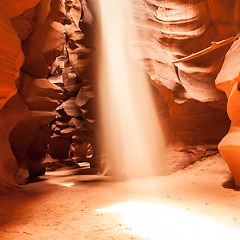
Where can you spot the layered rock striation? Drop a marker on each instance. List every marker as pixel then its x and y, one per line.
pixel 170 30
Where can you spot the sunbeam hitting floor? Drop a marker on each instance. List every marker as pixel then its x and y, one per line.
pixel 162 221
pixel 195 203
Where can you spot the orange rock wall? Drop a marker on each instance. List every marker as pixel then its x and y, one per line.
pixel 173 29
pixel 228 81
pixel 192 109
pixel 11 58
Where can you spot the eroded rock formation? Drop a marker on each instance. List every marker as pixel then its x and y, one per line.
pixel 228 81
pixel 11 52
pixel 11 59
pixel 58 40
pixel 46 31
pixel 173 29
pixel 170 30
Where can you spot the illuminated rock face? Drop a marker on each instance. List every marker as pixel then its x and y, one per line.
pixel 228 81
pixel 194 110
pixel 173 29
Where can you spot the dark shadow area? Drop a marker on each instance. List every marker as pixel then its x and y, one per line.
pixel 230 184
pixel 36 179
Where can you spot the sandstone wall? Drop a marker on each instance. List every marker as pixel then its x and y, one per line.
pixel 57 39
pixel 170 30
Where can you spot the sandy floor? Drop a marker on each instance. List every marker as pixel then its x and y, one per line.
pixel 195 203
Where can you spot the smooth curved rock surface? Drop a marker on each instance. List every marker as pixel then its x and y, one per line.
pixel 11 57
pixel 173 29
pixel 170 30
pixel 11 60
pixel 228 81
pixel 14 111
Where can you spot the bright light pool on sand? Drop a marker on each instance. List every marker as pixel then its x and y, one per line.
pixel 160 221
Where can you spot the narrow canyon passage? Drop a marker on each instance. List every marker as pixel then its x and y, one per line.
pixel 131 90
pixel 189 204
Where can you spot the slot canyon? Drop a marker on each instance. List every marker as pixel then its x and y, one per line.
pixel 119 119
